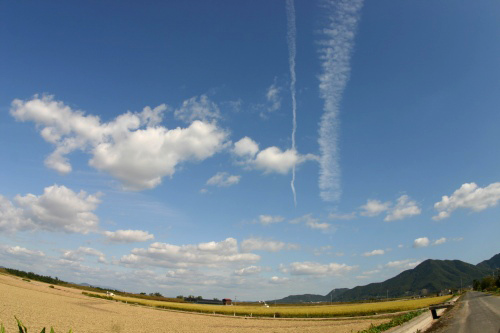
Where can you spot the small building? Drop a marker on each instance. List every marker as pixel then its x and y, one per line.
pixel 227 301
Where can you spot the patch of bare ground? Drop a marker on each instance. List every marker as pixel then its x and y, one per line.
pixel 38 305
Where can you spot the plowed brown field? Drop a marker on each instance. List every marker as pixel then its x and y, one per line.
pixel 39 306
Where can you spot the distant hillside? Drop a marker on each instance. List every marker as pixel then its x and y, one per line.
pixel 433 275
pixel 490 264
pixel 302 298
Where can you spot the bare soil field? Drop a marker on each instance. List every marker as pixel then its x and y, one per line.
pixel 38 306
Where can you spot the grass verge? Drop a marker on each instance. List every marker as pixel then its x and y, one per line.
pixel 396 321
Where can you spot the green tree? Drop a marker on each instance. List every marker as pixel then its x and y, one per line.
pixel 488 283
pixel 476 285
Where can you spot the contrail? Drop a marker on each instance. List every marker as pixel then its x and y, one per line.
pixel 291 37
pixel 335 52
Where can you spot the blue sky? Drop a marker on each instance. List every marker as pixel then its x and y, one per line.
pixel 151 147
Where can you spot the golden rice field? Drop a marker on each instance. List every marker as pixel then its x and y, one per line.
pixel 319 311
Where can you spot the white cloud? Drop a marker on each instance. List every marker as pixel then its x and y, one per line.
pixel 246 147
pixel 400 246
pixel 404 208
pixel 468 196
pixel 179 273
pixel 198 108
pixel 57 209
pixel 439 241
pixel 269 219
pixel 11 217
pixel 403 264
pixel 314 268
pixel 78 254
pixel 133 147
pixel 19 251
pixel 278 280
pixel 273 98
pixel 421 242
pixel 374 207
pixel 250 270
pixel 347 216
pixel 223 179
pixel 128 236
pixel 259 244
pixel 312 222
pixel 203 254
pixel 269 160
pixel 335 53
pixel 375 271
pixel 374 253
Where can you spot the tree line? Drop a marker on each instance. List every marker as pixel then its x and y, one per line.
pixel 488 283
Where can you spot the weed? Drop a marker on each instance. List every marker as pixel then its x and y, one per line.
pixel 23 329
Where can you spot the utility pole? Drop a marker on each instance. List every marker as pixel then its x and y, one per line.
pixel 387 294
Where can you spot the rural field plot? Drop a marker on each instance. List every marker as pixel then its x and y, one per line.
pixel 39 306
pixel 309 311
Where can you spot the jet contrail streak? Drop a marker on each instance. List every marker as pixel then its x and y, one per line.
pixel 335 52
pixel 291 38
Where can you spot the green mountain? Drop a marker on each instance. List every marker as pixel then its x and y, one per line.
pixel 490 264
pixel 430 276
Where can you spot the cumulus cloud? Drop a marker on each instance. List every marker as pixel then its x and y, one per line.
pixel 81 252
pixel 250 270
pixel 223 179
pixel 278 280
pixel 128 236
pixel 314 268
pixel 312 222
pixel 421 242
pixel 374 253
pixel 133 147
pixel 269 160
pixel 404 208
pixel 269 219
pixel 374 207
pixel 198 108
pixel 203 254
pixel 19 251
pixel 259 244
pixel 439 241
pixel 468 196
pixel 57 209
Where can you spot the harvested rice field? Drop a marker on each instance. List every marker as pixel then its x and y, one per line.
pixel 39 306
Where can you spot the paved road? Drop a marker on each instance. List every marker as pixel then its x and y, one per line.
pixel 476 312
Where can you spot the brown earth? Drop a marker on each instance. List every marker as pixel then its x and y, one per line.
pixel 38 306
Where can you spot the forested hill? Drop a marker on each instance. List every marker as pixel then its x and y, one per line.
pixel 431 275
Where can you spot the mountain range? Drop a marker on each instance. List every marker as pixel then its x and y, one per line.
pixel 430 276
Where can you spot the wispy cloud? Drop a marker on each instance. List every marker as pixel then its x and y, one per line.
pixel 223 179
pixel 291 40
pixel 335 52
